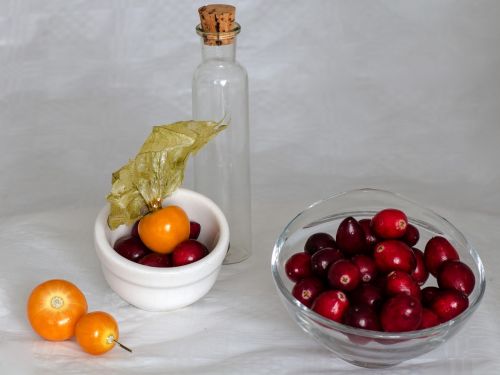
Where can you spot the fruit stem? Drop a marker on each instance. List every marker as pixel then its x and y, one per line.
pixel 56 302
pixel 122 346
pixel 155 205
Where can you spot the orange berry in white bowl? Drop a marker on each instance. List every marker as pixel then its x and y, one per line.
pixel 162 230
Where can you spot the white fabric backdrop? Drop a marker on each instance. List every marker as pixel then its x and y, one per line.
pixel 397 95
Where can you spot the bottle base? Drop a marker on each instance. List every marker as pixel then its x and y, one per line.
pixel 236 255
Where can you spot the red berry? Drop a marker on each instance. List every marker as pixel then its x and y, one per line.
pixel 401 282
pixel 392 255
pixel 454 274
pixel 366 266
pixel 298 266
pixel 429 294
pixel 194 230
pixel 322 259
pixel 362 316
pixel 344 275
pixel 420 273
pixel 351 237
pixel 437 251
pixel 306 290
pixel 389 223
pixel 131 247
pixel 411 235
pixel 135 229
pixel 156 260
pixel 319 241
pixel 367 294
pixel 401 313
pixel 331 304
pixel 449 303
pixel 429 319
pixel 370 238
pixel 188 252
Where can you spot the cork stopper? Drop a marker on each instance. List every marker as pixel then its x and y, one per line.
pixel 217 25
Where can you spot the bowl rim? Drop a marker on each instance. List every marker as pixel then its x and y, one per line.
pixel 105 248
pixel 280 285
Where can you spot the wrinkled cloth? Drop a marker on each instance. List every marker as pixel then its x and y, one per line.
pixel 402 96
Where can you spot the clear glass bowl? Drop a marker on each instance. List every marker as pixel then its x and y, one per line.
pixel 357 346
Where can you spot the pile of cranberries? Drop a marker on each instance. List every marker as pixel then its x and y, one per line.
pixel 189 251
pixel 371 276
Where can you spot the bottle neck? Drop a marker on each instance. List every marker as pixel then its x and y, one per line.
pixel 225 52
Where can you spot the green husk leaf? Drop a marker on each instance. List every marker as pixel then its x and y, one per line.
pixel 157 170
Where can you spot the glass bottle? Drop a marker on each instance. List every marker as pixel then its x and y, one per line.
pixel 220 93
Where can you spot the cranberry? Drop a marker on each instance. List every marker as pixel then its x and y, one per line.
pixel 350 236
pixel 306 290
pixel 135 229
pixel 411 235
pixel 322 259
pixel 131 247
pixel 449 303
pixel 370 238
pixel 344 275
pixel 437 251
pixel 370 276
pixel 362 316
pixel 194 230
pixel 366 266
pixel 401 282
pixel 188 252
pixel 156 260
pixel 429 319
pixel 401 313
pixel 392 255
pixel 454 274
pixel 331 304
pixel 319 241
pixel 389 223
pixel 298 266
pixel 420 273
pixel 429 294
pixel 367 294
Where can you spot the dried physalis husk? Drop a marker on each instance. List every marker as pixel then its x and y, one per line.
pixel 157 171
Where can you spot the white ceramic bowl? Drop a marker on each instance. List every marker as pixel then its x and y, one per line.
pixel 164 289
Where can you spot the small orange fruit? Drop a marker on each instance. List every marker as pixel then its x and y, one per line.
pixel 163 230
pixel 97 332
pixel 54 308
